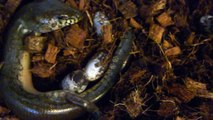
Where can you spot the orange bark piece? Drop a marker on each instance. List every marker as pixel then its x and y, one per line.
pixel 198 87
pixel 137 76
pixel 128 9
pixel 35 44
pixel 37 58
pixel 51 53
pixel 165 20
pixel 182 92
pixel 180 118
pixel 10 117
pixel 4 111
pixel 76 37
pixel 107 33
pixel 166 44
pixel 133 104
pixel 173 51
pixel 167 108
pixel 135 24
pixel 72 3
pixel 11 5
pixel 43 71
pixel 59 37
pixel 157 6
pixel 156 32
pixel 70 51
pixel 191 38
pixel 180 20
pixel 83 4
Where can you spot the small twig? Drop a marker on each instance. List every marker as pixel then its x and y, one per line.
pixel 148 81
pixel 115 19
pixel 202 42
pixel 208 95
pixel 161 49
pixel 53 66
pixel 107 6
pixel 89 17
pixel 118 105
pixel 144 112
pixel 134 49
pixel 134 52
pixel 166 58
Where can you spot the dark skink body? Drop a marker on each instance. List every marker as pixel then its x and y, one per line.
pixel 32 105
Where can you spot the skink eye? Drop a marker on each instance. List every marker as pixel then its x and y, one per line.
pixel 62 17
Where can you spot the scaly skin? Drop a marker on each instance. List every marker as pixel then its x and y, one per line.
pixel 15 79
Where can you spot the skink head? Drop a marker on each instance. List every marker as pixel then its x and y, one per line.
pixel 47 15
pixel 58 19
